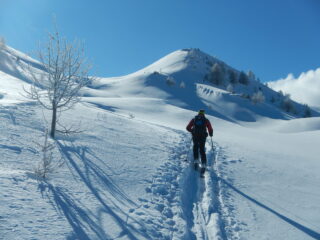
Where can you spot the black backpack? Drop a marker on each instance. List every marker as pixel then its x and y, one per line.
pixel 199 128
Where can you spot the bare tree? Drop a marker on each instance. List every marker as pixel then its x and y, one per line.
pixel 251 75
pixel 258 97
pixel 65 73
pixel 230 88
pixel 170 81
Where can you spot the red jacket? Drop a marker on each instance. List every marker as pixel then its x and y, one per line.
pixel 208 125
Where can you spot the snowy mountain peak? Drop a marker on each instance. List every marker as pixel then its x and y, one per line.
pixel 192 79
pixel 184 59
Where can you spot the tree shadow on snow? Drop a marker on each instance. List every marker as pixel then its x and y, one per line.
pixel 80 219
pixel 295 224
pixel 112 200
pixel 92 174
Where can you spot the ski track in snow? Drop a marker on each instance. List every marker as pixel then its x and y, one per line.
pixel 190 207
pixel 208 209
pixel 208 222
pixel 189 202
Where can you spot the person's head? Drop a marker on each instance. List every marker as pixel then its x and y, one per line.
pixel 201 112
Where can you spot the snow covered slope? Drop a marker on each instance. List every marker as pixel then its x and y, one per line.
pixel 128 174
pixel 14 75
pixel 179 78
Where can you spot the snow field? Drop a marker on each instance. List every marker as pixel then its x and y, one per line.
pixel 270 186
pixel 122 178
pixel 23 209
pixel 127 178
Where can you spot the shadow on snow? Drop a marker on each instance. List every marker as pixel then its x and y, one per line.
pixel 108 195
pixel 295 224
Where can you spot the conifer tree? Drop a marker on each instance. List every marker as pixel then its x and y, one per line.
pixel 216 75
pixel 233 77
pixel 307 111
pixel 243 78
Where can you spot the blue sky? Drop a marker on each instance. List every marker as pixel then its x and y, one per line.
pixel 270 37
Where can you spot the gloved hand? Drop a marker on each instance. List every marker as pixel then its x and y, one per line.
pixel 211 134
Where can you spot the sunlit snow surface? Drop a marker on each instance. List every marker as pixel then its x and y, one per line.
pixel 128 174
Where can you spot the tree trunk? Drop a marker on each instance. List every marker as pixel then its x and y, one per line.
pixel 53 122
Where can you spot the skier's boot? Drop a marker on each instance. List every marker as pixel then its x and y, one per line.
pixel 196 164
pixel 203 167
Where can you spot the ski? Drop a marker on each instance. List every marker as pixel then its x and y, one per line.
pixel 199 167
pixel 202 170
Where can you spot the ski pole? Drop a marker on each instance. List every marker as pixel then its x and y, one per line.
pixel 212 145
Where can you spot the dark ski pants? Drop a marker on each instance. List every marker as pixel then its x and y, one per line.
pixel 199 146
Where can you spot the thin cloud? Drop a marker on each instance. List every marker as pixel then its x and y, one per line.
pixel 304 89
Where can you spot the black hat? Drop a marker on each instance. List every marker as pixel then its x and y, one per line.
pixel 201 111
